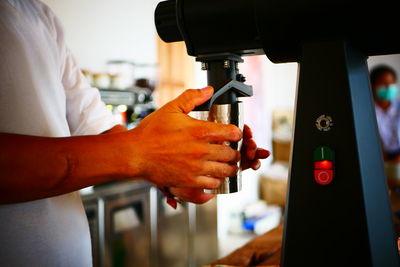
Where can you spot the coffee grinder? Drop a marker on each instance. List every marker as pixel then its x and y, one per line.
pixel 338 211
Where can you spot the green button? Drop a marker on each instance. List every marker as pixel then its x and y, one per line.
pixel 323 153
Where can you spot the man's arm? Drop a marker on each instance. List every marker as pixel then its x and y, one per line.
pixel 168 148
pixel 39 167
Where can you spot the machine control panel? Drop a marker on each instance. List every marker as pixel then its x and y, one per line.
pixel 323 165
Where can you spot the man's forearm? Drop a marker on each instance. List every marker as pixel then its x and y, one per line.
pixel 39 167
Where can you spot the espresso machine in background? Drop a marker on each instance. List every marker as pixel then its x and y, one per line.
pixel 338 211
pixel 127 90
pixel 129 106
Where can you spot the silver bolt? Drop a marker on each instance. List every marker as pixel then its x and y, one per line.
pixel 227 64
pixel 204 66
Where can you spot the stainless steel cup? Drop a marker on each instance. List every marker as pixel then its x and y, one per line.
pixel 227 114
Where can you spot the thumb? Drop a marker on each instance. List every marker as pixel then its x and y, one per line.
pixel 191 98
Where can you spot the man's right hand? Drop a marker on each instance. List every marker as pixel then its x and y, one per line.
pixel 171 149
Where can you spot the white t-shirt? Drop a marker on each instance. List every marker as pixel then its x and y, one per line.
pixel 43 93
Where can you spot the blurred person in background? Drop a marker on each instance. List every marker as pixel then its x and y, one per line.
pixel 57 136
pixel 387 107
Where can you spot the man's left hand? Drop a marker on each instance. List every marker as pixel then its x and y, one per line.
pixel 250 158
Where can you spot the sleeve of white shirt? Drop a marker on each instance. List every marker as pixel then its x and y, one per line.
pixel 86 113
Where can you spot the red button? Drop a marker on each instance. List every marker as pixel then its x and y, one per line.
pixel 323 177
pixel 323 165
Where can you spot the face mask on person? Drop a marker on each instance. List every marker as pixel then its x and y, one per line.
pixel 387 92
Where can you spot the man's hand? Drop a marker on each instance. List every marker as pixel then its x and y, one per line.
pixel 175 150
pixel 251 156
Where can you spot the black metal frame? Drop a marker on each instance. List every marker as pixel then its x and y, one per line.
pixel 348 222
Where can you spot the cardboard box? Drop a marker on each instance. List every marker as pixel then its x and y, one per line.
pixel 273 191
pixel 281 151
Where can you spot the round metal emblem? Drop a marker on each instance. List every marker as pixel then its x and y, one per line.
pixel 324 123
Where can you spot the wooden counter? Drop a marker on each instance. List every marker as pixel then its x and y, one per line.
pixel 264 250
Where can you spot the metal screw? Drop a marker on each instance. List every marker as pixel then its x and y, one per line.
pixel 240 78
pixel 227 64
pixel 204 66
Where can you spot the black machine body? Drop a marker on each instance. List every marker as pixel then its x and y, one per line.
pixel 277 28
pixel 337 211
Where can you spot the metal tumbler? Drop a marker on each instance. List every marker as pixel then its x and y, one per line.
pixel 226 114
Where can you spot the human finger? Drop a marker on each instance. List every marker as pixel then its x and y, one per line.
pixel 205 182
pixel 219 170
pixel 217 132
pixel 194 195
pixel 189 99
pixel 222 153
pixel 247 133
pixel 255 165
pixel 262 153
pixel 250 149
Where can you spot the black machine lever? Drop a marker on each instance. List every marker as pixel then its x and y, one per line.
pixel 240 89
pixel 223 75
